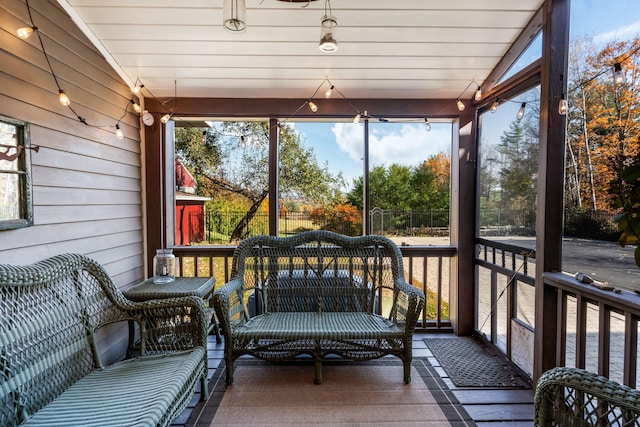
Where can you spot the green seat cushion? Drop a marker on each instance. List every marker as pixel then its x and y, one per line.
pixel 134 392
pixel 331 325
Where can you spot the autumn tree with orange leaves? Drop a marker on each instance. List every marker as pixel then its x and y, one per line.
pixel 603 124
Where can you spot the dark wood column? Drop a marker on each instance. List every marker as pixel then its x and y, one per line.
pixel 155 159
pixel 550 179
pixel 463 219
pixel 274 176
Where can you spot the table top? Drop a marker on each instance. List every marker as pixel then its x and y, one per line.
pixel 182 286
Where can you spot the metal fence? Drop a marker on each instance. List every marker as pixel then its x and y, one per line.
pixel 219 225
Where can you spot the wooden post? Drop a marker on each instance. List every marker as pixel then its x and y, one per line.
pixel 550 180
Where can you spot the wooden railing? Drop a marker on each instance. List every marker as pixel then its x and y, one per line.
pixel 426 267
pixel 596 329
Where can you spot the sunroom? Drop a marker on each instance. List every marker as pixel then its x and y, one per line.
pixel 97 175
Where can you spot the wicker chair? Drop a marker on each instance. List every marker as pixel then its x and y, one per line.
pixel 318 293
pixel 575 397
pixel 51 372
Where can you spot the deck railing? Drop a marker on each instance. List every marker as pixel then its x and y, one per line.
pixel 597 329
pixel 426 267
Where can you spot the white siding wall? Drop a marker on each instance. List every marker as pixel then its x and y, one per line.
pixel 86 183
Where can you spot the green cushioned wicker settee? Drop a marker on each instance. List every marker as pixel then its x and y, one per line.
pixel 317 293
pixel 51 373
pixel 575 397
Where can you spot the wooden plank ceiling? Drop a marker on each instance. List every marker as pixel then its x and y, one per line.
pixel 386 49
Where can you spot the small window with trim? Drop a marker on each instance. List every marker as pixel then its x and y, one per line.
pixel 15 174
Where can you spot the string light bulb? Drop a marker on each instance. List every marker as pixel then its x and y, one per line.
pixel 64 99
pixel 26 32
pixel 520 113
pixel 136 107
pixel 427 125
pixel 478 94
pixel 165 118
pixel 460 104
pixel 356 119
pixel 494 106
pixel 119 133
pixel 137 88
pixel 618 74
pixel 563 106
pixel 313 107
pixel 328 93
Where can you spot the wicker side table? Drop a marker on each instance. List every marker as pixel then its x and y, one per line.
pixel 183 286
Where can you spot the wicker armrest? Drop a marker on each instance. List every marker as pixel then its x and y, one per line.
pixel 572 396
pixel 228 302
pixel 170 324
pixel 407 305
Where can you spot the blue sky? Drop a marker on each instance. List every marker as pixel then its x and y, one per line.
pixel 339 145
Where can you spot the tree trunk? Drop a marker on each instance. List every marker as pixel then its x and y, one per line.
pixel 588 153
pixel 240 232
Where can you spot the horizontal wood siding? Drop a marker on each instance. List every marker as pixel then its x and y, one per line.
pixel 86 182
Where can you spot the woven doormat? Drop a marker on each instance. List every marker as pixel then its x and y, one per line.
pixel 469 363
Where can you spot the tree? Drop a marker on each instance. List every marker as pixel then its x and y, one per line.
pixel 604 124
pixel 399 187
pixel 231 158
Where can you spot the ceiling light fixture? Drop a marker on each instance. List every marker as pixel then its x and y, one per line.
pixel 328 25
pixel 234 14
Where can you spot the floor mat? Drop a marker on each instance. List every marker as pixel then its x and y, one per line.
pixel 469 363
pixel 361 393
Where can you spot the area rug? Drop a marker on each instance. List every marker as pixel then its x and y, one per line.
pixel 469 363
pixel 353 394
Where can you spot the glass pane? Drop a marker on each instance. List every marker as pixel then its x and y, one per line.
pixel 15 194
pixel 602 141
pixel 530 55
pixel 409 180
pixel 508 168
pixel 319 164
pixel 9 197
pixel 221 182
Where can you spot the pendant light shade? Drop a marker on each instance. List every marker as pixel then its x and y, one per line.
pixel 234 15
pixel 328 25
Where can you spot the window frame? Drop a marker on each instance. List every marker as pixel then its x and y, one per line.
pixel 23 138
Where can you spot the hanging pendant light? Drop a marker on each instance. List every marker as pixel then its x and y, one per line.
pixel 328 26
pixel 234 15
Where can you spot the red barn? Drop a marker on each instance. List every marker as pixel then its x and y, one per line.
pixel 190 208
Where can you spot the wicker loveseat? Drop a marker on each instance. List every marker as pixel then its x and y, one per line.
pixel 317 293
pixel 575 397
pixel 51 373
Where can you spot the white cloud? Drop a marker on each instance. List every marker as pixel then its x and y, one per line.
pixel 622 33
pixel 405 144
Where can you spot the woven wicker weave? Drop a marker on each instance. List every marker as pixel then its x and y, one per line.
pixel 318 293
pixel 575 397
pixel 50 370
